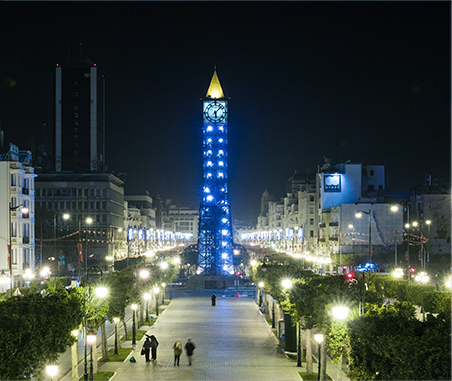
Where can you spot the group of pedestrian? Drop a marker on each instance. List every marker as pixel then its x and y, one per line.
pixel 150 346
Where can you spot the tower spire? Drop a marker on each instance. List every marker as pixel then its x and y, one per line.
pixel 215 91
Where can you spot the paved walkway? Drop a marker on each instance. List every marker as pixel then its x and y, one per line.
pixel 233 342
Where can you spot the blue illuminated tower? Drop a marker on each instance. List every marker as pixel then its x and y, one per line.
pixel 215 230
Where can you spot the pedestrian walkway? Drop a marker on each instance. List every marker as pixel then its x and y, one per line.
pixel 233 342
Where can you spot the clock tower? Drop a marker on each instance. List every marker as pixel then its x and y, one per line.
pixel 215 229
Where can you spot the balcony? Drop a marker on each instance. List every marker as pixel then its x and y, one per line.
pixel 25 191
pixel 333 224
pixel 25 240
pixel 322 225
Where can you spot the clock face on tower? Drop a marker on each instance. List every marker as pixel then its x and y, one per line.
pixel 215 111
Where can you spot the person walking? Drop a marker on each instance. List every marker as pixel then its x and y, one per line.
pixel 214 299
pixel 190 347
pixel 154 345
pixel 177 347
pixel 147 347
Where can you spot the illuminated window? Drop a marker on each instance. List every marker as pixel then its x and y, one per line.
pixel 224 232
pixel 207 190
pixel 209 152
pixel 209 198
pixel 220 152
pixel 209 140
pixel 209 163
pixel 224 255
pixel 224 220
pixel 209 175
pixel 220 163
pixel 221 128
pixel 210 128
pixel 220 174
pixel 220 140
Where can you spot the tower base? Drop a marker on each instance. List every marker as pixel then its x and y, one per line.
pixel 212 282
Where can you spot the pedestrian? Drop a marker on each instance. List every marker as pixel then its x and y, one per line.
pixel 190 347
pixel 177 347
pixel 214 299
pixel 146 347
pixel 154 345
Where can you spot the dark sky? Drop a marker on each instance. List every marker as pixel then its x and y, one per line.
pixel 361 81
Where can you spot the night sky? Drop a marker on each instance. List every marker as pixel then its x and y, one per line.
pixel 361 81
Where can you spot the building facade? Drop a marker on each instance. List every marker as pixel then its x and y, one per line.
pixel 17 211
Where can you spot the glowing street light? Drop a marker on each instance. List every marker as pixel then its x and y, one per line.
pixel 341 312
pixel 52 370
pixel 398 273
pixel 422 277
pixel 286 283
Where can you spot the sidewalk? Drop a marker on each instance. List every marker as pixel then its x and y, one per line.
pixel 233 342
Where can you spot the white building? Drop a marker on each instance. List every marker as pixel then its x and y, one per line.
pixel 17 227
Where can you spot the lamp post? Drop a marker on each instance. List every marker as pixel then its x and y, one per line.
pixel 319 338
pixel 91 341
pixel 116 321
pixel 287 283
pixel 156 291
pixel 163 292
pixel 340 313
pixel 359 215
pixel 146 297
pixel 66 216
pixel 88 221
pixel 261 286
pixel 24 210
pixel 134 328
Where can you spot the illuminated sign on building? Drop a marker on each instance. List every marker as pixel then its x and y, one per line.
pixel 332 183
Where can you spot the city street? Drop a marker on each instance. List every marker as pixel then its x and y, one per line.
pixel 233 342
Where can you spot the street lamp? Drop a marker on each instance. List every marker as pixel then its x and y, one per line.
pixel 422 277
pixel 286 283
pixel 52 370
pixel 319 338
pixel 74 359
pixel 134 329
pixel 91 339
pixel 261 286
pixel 65 217
pixel 359 215
pixel 28 275
pixel 163 292
pixel 146 297
pixel 116 321
pixel 100 292
pixel 156 291
pixel 341 312
pixel 24 211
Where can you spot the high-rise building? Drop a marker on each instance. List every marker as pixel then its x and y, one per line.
pixel 215 228
pixel 79 117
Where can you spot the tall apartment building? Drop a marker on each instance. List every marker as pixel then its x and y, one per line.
pixel 17 224
pixel 79 117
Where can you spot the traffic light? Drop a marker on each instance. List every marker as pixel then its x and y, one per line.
pixel 238 273
pixel 349 275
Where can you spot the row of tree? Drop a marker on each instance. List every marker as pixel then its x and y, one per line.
pixel 37 324
pixel 387 341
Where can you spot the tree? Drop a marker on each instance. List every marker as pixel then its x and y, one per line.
pixel 35 329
